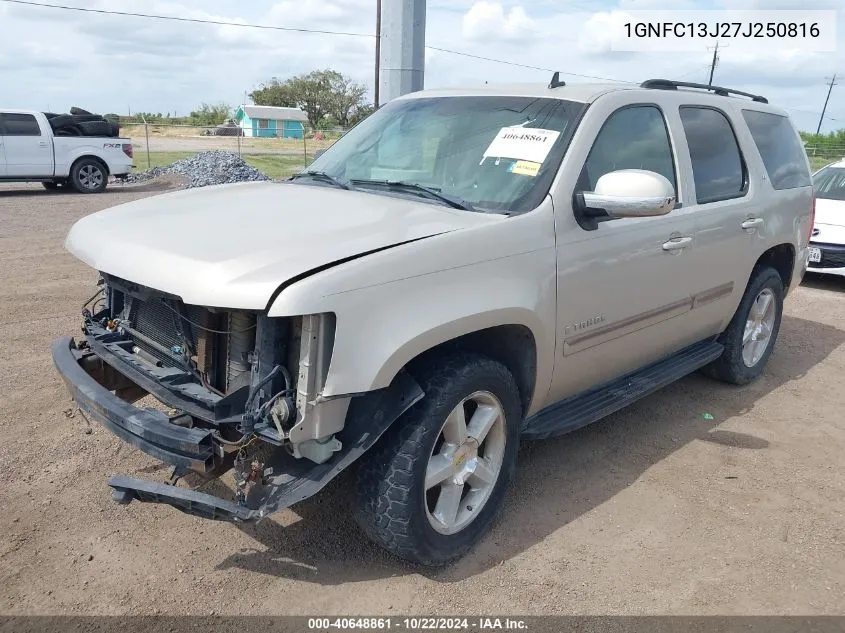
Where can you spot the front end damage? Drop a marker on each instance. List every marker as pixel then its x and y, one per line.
pixel 241 391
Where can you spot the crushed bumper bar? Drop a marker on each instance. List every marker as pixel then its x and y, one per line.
pixel 125 489
pixel 292 480
pixel 149 430
pixel 297 479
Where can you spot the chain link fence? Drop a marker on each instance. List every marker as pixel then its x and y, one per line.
pixel 274 154
pixel 278 156
pixel 822 155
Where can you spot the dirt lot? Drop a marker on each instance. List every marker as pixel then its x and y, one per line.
pixel 655 510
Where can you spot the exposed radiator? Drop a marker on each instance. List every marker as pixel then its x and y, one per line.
pixel 161 323
pixel 176 335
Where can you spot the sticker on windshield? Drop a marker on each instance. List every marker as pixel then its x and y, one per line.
pixel 525 168
pixel 522 143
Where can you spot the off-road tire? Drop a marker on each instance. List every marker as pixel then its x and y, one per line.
pixel 68 130
pixel 95 128
pixel 730 367
pixel 76 175
pixel 390 478
pixel 59 121
pixel 87 118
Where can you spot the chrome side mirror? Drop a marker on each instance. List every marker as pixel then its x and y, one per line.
pixel 626 193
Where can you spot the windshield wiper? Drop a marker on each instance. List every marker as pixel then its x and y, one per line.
pixel 454 202
pixel 321 175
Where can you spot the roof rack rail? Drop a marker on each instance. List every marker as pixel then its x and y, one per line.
pixel 668 84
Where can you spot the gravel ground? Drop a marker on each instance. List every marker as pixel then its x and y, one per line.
pixel 201 170
pixel 655 510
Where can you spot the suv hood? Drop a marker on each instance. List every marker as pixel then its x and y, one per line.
pixel 233 245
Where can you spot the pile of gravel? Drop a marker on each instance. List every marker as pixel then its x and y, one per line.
pixel 204 169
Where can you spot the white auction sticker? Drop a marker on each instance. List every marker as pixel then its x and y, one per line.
pixel 522 143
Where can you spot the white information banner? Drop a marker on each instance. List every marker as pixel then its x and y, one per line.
pixel 522 143
pixel 743 30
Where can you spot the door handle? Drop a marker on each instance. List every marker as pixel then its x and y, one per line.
pixel 752 223
pixel 42 144
pixel 677 243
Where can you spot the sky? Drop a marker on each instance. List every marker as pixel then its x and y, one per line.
pixel 52 59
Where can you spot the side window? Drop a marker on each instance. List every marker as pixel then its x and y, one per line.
pixel 780 148
pixel 631 138
pixel 717 166
pixel 20 125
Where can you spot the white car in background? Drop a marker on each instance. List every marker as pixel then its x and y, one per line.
pixel 827 244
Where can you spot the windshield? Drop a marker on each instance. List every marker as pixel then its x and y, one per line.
pixel 829 183
pixel 491 153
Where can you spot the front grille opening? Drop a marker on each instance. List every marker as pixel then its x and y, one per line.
pixel 172 334
pixel 211 346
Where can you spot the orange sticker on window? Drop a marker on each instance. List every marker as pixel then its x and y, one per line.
pixel 525 168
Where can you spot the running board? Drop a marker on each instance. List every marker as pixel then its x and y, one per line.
pixel 589 406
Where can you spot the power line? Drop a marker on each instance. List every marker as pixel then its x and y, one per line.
pixel 288 28
pixel 692 72
pixel 503 61
pixel 805 111
pixel 179 19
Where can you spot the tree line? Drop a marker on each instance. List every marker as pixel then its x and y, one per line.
pixel 832 142
pixel 328 98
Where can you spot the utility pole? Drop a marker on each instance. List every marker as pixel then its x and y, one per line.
pixel 829 90
pixel 713 65
pixel 402 52
pixel 378 53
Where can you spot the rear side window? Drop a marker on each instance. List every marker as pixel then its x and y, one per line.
pixel 717 166
pixel 780 148
pixel 632 138
pixel 19 125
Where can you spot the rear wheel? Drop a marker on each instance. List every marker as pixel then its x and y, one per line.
pixel 88 176
pixel 430 488
pixel 750 337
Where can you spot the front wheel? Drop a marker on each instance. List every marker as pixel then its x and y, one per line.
pixel 430 488
pixel 88 176
pixel 750 337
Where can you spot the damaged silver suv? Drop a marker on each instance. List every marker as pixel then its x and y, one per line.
pixel 465 268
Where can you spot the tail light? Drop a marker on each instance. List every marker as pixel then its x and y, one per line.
pixel 127 149
pixel 812 218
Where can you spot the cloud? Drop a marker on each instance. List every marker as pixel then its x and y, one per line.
pixel 109 63
pixel 597 32
pixel 489 20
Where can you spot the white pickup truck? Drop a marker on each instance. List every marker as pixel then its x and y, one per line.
pixel 31 152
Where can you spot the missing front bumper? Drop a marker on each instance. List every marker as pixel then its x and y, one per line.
pixel 149 430
pixel 290 480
